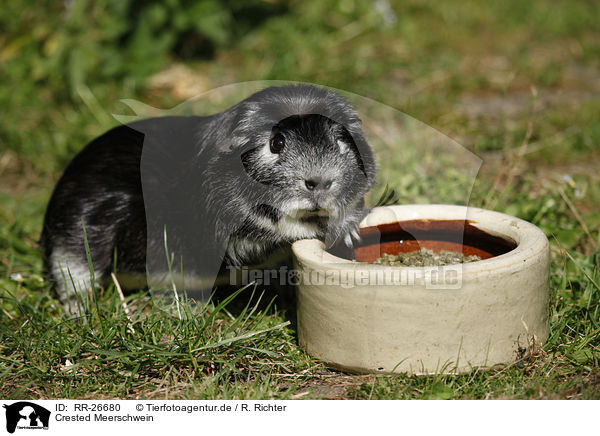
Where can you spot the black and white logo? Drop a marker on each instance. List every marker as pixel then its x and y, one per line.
pixel 26 415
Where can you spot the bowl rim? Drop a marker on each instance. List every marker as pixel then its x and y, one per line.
pixel 529 238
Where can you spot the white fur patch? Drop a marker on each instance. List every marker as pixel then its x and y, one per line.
pixel 293 228
pixel 266 156
pixel 343 146
pixel 73 279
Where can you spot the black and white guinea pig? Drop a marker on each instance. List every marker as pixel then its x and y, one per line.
pixel 196 193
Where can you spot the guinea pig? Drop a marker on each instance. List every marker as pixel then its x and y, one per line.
pixel 194 193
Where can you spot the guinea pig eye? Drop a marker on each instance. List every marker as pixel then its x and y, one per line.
pixel 277 143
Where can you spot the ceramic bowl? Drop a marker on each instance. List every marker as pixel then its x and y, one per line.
pixel 363 317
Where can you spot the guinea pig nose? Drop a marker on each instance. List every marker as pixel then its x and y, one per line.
pixel 317 183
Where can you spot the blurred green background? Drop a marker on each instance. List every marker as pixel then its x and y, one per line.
pixel 515 82
pixel 64 65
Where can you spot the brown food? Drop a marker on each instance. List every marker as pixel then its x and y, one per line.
pixel 425 257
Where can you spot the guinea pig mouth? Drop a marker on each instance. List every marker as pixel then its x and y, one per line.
pixel 316 215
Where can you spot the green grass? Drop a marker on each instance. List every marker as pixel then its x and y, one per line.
pixel 516 83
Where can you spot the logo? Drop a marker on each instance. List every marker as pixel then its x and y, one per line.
pixel 26 415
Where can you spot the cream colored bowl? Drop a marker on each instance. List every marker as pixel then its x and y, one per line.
pixel 363 317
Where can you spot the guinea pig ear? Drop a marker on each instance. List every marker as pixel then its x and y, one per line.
pixel 357 144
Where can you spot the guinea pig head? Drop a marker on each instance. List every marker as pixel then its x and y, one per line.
pixel 316 173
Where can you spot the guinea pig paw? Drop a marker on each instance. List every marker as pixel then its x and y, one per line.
pixel 352 238
pixel 348 240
